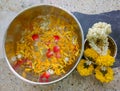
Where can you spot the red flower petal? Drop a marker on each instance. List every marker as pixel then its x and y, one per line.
pixel 49 50
pixel 56 37
pixel 19 63
pixel 56 49
pixel 35 36
pixel 45 76
pixel 49 53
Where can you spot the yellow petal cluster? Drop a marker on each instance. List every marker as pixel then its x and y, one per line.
pixel 106 60
pixel 84 71
pixel 104 77
pixel 90 53
pixel 99 61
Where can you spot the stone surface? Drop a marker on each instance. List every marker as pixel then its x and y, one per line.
pixel 74 82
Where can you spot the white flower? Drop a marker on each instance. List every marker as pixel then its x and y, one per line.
pixel 98 37
pixel 50 71
pixel 66 59
pixel 103 25
pixel 19 56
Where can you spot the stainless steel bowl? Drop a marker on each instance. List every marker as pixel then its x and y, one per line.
pixel 15 30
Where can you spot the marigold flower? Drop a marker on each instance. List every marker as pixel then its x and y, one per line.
pixel 104 76
pixel 106 60
pixel 90 53
pixel 84 69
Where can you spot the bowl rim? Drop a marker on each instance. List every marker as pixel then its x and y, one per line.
pixel 54 81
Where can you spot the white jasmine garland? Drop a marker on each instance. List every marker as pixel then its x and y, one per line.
pixel 98 37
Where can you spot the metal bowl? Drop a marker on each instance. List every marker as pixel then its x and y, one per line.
pixel 15 30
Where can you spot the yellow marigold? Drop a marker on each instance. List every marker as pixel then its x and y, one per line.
pixel 106 60
pixel 90 53
pixel 84 69
pixel 104 76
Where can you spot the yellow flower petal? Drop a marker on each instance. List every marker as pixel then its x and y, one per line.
pixel 90 53
pixel 84 71
pixel 106 60
pixel 104 77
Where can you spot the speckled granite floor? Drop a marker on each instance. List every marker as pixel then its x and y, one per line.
pixel 74 82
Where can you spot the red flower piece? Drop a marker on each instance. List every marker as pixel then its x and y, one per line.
pixel 35 37
pixel 44 77
pixel 19 63
pixel 49 53
pixel 56 49
pixel 56 37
